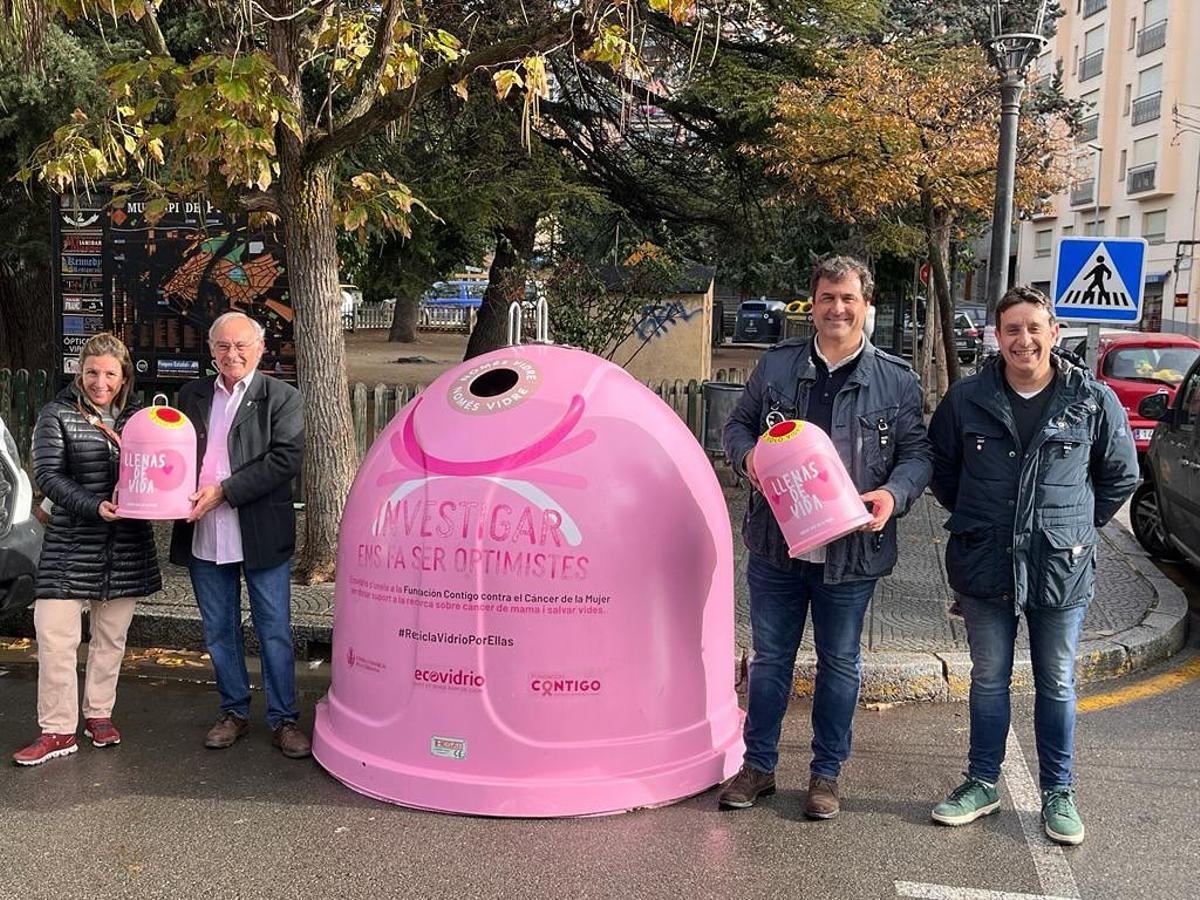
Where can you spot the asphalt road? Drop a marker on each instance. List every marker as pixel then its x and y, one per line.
pixel 160 816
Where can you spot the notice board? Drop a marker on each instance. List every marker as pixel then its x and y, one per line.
pixel 159 286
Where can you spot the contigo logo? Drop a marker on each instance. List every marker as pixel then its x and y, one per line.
pixel 459 678
pixel 550 686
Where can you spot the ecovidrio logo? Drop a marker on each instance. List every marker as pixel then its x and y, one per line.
pixel 467 679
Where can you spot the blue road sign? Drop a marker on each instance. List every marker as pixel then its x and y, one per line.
pixel 1100 279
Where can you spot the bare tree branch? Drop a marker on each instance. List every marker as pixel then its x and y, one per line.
pixel 372 68
pixel 260 201
pixel 152 35
pixel 395 105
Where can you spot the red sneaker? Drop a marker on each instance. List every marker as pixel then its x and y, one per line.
pixel 102 732
pixel 47 746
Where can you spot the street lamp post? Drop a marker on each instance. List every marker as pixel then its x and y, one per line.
pixel 1011 54
pixel 1092 347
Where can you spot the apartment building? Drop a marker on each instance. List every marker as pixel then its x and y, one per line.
pixel 1136 66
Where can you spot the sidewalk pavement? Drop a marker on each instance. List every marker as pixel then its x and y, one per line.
pixel 913 648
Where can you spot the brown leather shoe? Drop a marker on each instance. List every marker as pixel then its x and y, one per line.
pixel 226 732
pixel 291 740
pixel 822 802
pixel 745 787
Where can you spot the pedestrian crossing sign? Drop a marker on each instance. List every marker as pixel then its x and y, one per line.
pixel 1100 279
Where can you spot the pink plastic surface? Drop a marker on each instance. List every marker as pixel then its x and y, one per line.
pixel 807 486
pixel 534 603
pixel 158 465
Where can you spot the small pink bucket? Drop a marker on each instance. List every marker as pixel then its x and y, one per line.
pixel 808 488
pixel 158 464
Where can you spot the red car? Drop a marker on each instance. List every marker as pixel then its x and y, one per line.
pixel 1138 364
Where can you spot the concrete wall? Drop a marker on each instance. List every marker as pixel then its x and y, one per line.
pixel 671 341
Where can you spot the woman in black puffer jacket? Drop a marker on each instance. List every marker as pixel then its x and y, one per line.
pixel 89 553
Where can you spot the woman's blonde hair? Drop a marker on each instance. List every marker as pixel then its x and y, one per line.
pixel 105 344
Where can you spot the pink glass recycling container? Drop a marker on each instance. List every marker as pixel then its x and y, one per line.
pixel 158 464
pixel 534 602
pixel 807 486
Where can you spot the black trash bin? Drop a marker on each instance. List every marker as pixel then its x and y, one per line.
pixel 759 322
pixel 720 397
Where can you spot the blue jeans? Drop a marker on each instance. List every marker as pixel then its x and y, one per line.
pixel 780 600
pixel 218 591
pixel 1053 640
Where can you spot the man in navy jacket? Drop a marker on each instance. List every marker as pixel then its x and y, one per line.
pixel 1031 456
pixel 869 403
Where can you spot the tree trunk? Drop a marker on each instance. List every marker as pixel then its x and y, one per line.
pixel 937 236
pixel 506 285
pixel 929 361
pixel 305 194
pixel 26 319
pixel 404 320
pixel 330 455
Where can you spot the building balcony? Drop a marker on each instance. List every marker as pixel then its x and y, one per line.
pixel 1140 179
pixel 1091 7
pixel 1091 65
pixel 1089 129
pixel 1084 193
pixel 1147 108
pixel 1152 37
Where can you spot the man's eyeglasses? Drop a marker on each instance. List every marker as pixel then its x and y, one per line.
pixel 239 346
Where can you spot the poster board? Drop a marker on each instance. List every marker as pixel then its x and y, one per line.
pixel 159 286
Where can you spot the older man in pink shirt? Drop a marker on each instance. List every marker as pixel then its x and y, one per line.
pixel 250 436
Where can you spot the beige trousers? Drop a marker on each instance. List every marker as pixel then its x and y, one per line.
pixel 58 632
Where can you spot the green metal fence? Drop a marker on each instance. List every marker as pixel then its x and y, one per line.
pixel 22 395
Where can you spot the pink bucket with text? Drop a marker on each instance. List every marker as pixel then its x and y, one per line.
pixel 807 486
pixel 534 602
pixel 158 464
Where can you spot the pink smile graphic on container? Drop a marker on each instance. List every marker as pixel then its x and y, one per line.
pixel 158 464
pixel 534 515
pixel 808 488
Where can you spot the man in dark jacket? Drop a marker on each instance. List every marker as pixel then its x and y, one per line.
pixel 1031 456
pixel 250 440
pixel 869 403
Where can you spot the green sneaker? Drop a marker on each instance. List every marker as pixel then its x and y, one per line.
pixel 1060 817
pixel 967 802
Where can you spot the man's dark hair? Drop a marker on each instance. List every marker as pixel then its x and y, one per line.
pixel 1024 294
pixel 836 268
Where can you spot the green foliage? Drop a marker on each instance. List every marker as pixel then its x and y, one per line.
pixel 597 308
pixel 30 104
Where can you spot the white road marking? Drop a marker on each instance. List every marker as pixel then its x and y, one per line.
pixel 942 892
pixel 1053 871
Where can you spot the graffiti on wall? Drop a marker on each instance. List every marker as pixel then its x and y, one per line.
pixel 657 318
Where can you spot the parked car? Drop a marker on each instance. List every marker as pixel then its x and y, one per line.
pixel 759 322
pixel 1137 364
pixel 968 336
pixel 20 533
pixel 352 299
pixel 1073 338
pixel 1165 509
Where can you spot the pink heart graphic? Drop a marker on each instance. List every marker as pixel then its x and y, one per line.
pixel 170 474
pixel 825 487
